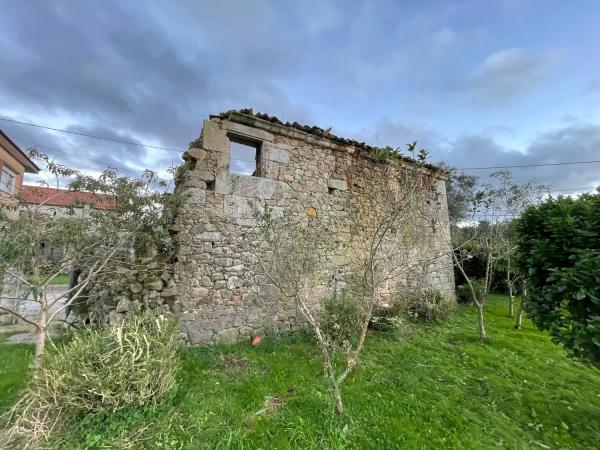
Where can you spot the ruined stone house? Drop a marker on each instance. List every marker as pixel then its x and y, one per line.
pixel 241 163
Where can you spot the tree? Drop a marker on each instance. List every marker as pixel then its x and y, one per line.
pixel 559 253
pixel 391 211
pixel 461 189
pixel 488 235
pixel 514 199
pixel 135 216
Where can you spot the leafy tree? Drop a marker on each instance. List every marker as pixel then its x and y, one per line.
pixel 461 189
pixel 136 216
pixel 559 252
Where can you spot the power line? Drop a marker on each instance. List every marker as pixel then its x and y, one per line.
pixel 35 144
pixel 515 166
pixel 179 151
pixel 573 189
pixel 51 149
pixel 104 138
pixel 565 163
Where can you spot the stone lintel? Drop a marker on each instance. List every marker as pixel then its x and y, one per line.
pixel 241 130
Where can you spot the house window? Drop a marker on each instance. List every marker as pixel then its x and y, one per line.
pixel 244 156
pixel 7 180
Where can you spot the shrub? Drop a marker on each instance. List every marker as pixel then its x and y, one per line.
pixel 428 305
pixel 341 320
pixel 559 251
pixel 388 316
pixel 102 370
pixel 464 295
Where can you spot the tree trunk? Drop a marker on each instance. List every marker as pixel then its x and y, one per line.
pixel 327 364
pixel 519 319
pixel 339 406
pixel 511 300
pixel 482 335
pixel 40 331
pixel 40 343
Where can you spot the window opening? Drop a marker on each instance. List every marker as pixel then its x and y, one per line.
pixel 244 157
pixel 7 180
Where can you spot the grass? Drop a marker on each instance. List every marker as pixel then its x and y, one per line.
pixel 13 370
pixel 437 387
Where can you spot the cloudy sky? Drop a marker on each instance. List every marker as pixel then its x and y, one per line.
pixel 479 83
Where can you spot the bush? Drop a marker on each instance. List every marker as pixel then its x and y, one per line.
pixel 559 251
pixel 428 305
pixel 464 295
pixel 102 370
pixel 389 316
pixel 341 320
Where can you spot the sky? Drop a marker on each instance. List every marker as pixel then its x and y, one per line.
pixel 477 83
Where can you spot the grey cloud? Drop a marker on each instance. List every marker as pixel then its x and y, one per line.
pixel 574 142
pixel 126 68
pixel 507 74
pixel 151 71
pixel 397 134
pixel 592 86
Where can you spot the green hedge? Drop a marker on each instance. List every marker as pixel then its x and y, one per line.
pixel 559 251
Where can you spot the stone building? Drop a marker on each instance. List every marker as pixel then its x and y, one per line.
pixel 244 162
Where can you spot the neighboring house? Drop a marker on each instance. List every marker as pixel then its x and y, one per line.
pixel 14 163
pixel 245 161
pixel 62 202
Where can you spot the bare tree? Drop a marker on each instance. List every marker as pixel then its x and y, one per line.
pixel 121 211
pixel 487 234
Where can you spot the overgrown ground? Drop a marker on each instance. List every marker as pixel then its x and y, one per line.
pixel 433 387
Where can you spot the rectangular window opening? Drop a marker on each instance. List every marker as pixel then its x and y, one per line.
pixel 244 156
pixel 7 180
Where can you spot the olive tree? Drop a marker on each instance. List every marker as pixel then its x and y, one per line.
pixel 380 247
pixel 122 214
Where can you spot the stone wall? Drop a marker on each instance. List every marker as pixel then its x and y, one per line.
pixel 134 285
pixel 217 282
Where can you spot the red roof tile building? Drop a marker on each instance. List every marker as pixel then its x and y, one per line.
pixel 59 201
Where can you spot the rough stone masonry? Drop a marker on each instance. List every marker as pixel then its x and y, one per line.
pixel 217 285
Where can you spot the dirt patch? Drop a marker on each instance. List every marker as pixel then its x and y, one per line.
pixel 21 338
pixel 21 334
pixel 272 403
pixel 234 364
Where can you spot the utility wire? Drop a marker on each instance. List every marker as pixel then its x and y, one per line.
pixel 564 163
pixel 35 144
pixel 91 135
pixel 516 166
pixel 573 189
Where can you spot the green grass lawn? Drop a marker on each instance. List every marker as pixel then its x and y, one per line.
pixel 14 368
pixel 436 387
